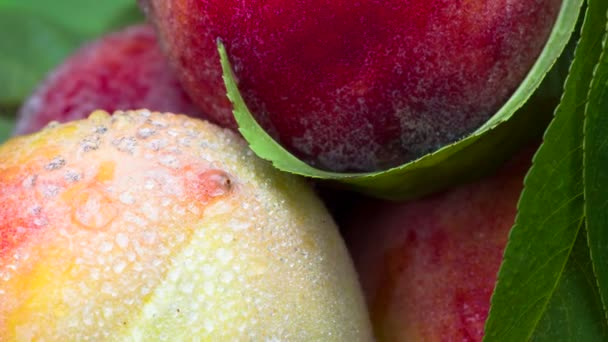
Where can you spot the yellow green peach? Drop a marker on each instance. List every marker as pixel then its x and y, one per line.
pixel 149 226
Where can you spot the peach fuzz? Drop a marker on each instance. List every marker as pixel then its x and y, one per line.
pixel 357 86
pixel 428 267
pixel 121 70
pixel 149 226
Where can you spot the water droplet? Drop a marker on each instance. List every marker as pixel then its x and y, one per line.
pixel 208 270
pixel 149 184
pixel 149 237
pixel 125 144
pixel 119 267
pixel 107 312
pixel 55 164
pixel 30 181
pixel 169 161
pixel 238 225
pixel 93 209
pixel 126 198
pixel 101 129
pixel 90 143
pixel 215 183
pixel 39 222
pixel 50 190
pixel 185 141
pixel 209 288
pixel 35 210
pixel 157 144
pixel 145 132
pixel 150 211
pixel 223 255
pixel 158 122
pixel 106 247
pixel 132 218
pixel 52 124
pixel 227 277
pixel 144 113
pixel 256 268
pixel 71 176
pixel 187 288
pixel 122 240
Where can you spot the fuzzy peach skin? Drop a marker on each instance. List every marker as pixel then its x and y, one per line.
pixel 356 85
pixel 121 70
pixel 428 267
pixel 144 226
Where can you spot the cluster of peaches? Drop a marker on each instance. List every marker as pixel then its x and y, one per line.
pixel 122 221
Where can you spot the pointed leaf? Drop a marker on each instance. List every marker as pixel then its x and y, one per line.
pixel 505 132
pixel 595 175
pixel 574 312
pixel 551 206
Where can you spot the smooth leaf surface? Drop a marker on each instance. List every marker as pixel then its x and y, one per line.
pixel 87 18
pixel 574 312
pixel 514 125
pixel 595 176
pixel 6 128
pixel 29 47
pixel 35 36
pixel 551 208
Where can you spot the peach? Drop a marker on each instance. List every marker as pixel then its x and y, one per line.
pixel 149 226
pixel 122 70
pixel 428 267
pixel 357 86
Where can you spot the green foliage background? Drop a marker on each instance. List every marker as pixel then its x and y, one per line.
pixel 553 284
pixel 36 35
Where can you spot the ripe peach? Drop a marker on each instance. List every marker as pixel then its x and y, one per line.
pixel 428 267
pixel 144 226
pixel 357 86
pixel 123 70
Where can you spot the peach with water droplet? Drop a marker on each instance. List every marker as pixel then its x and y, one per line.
pixel 147 226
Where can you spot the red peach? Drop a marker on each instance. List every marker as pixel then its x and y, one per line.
pixel 123 70
pixel 428 267
pixel 357 86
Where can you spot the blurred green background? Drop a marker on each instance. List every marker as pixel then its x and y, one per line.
pixel 36 35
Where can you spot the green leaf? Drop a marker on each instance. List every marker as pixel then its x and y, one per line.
pixel 551 207
pixel 6 128
pixel 29 47
pixel 126 17
pixel 574 312
pixel 595 175
pixel 36 36
pixel 86 18
pixel 519 120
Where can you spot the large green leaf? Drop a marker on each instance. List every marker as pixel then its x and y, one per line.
pixel 6 128
pixel 575 311
pixel 35 36
pixel 595 175
pixel 29 47
pixel 551 207
pixel 519 119
pixel 87 18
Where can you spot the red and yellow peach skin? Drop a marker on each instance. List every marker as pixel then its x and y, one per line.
pixel 144 226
